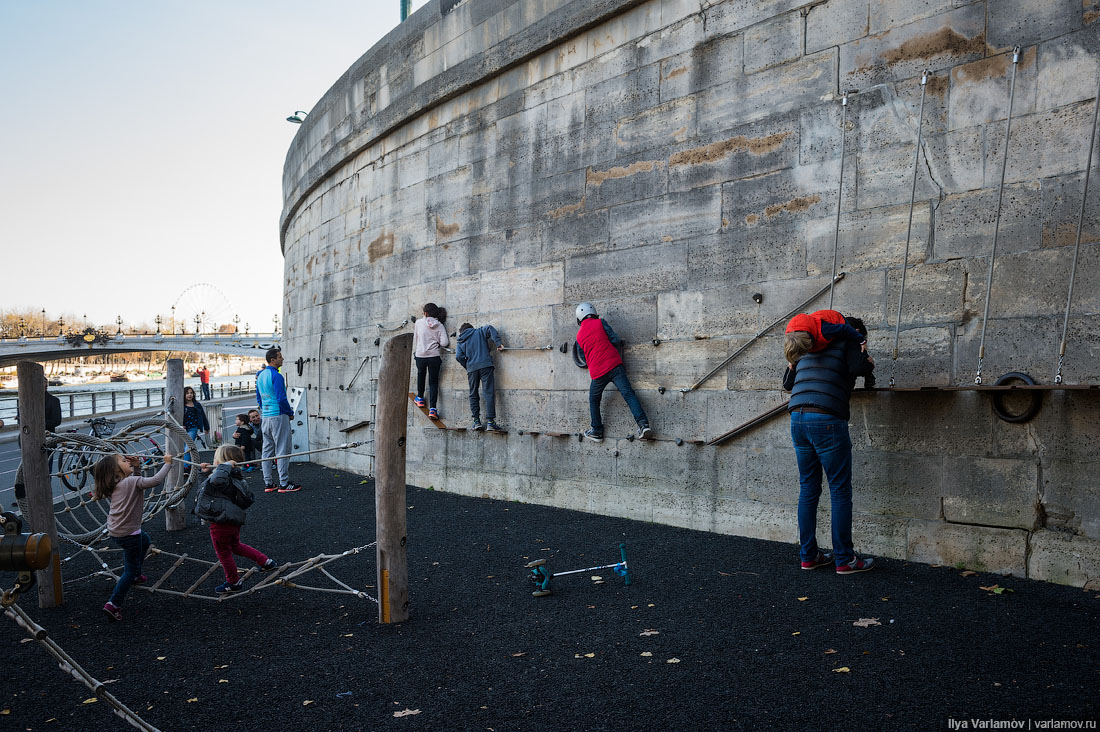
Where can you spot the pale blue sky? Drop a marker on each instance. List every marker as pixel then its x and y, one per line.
pixel 143 145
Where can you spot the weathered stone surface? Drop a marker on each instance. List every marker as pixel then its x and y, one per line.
pixel 1000 551
pixel 1065 559
pixel 837 22
pixel 773 43
pixel 935 43
pixel 671 159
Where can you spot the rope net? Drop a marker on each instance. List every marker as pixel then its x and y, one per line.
pixel 81 519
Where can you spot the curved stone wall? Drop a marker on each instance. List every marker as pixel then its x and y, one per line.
pixel 670 159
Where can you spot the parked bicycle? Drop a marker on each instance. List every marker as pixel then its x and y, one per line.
pixel 74 466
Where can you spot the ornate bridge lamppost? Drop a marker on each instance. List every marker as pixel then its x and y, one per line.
pixel 275 320
pixel 61 326
pixel 118 321
pixel 236 322
pixel 198 321
pixel 158 321
pixel 22 327
pixel 173 320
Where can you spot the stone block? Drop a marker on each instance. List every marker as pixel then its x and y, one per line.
pixel 626 272
pixel 766 93
pixel 676 36
pixel 669 218
pixel 756 520
pixel 724 18
pixel 990 492
pixel 762 474
pixel 983 549
pixel 688 510
pixel 1068 68
pixel 1060 211
pixel 965 221
pixel 521 287
pixel 887 14
pixel 1022 23
pixel 1033 284
pixel 505 249
pixel 925 355
pixel 904 486
pixel 1031 154
pixel 713 313
pixel 868 239
pixel 621 95
pixel 666 467
pixel 681 364
pixel 617 32
pixel 837 22
pixel 879 536
pixel 652 130
pixel 955 423
pixel 980 89
pixel 773 42
pixel 551 85
pixel 935 43
pixel 947 163
pixel 727 410
pixel 1071 497
pixel 1065 559
pixel 624 180
pixel 705 65
pixel 764 146
pixel 536 198
pixel 934 294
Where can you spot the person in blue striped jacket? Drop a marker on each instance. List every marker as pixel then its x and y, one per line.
pixel 275 414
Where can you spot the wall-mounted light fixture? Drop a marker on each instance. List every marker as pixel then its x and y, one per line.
pixel 298 117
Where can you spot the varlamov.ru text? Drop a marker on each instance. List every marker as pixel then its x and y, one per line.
pixel 1021 724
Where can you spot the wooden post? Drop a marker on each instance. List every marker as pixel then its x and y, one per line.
pixel 389 485
pixel 175 519
pixel 36 475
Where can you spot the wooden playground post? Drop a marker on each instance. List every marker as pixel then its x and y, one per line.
pixel 389 487
pixel 175 519
pixel 36 476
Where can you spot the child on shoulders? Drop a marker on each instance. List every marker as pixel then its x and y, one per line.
pixel 814 332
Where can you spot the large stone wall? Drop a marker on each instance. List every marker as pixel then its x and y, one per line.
pixel 668 159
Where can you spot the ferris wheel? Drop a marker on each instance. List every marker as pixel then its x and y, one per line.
pixel 202 305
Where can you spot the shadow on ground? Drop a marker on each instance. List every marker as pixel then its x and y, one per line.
pixel 716 632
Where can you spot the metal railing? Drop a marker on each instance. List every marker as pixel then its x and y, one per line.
pixel 86 403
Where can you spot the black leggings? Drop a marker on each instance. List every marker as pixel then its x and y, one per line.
pixel 429 366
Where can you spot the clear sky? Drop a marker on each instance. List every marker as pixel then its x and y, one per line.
pixel 143 145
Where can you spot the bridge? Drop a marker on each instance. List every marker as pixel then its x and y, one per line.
pixel 91 342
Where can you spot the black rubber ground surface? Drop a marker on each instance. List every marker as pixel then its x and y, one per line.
pixel 735 644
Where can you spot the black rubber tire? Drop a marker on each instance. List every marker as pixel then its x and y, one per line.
pixel 70 462
pixel 578 356
pixel 1028 414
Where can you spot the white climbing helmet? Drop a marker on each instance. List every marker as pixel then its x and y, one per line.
pixel 584 310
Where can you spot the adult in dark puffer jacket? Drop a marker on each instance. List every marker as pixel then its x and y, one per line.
pixel 223 499
pixel 821 385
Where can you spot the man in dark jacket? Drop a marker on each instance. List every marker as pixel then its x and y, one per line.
pixel 473 353
pixel 821 385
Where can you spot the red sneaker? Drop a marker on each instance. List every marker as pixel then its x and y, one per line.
pixel 856 565
pixel 142 579
pixel 113 611
pixel 819 561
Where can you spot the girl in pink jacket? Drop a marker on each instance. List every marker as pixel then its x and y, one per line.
pixel 429 338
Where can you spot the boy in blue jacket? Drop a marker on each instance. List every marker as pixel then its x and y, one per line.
pixel 473 353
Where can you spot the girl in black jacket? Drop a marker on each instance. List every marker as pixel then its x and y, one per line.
pixel 223 499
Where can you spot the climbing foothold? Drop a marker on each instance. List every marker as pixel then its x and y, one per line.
pixel 656 341
pixel 660 390
pixel 679 441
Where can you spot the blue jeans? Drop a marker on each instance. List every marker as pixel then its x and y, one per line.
pixel 133 555
pixel 822 444
pixel 192 433
pixel 485 378
pixel 616 376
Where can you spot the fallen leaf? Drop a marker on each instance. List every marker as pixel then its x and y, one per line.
pixel 724 574
pixel 797 632
pixel 646 654
pixel 4 712
pixel 307 702
pixel 651 605
pixel 885 599
pixel 93 700
pixel 673 660
pixel 161 658
pixel 866 622
pixel 968 573
pixel 192 700
pixel 830 651
pixel 363 482
pixel 597 578
pixel 590 655
pixel 406 713
pixel 347 635
pixel 224 665
pixel 632 607
pixel 223 681
pixel 27 640
pixel 841 670
pixel 521 653
pixel 649 631
pixel 803 599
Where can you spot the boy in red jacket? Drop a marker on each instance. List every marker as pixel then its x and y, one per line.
pixel 598 343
